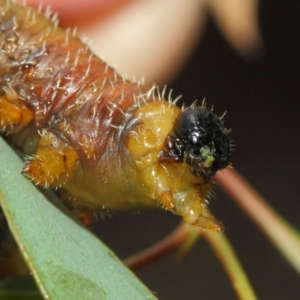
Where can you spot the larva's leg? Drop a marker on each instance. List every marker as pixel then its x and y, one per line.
pixel 84 215
pixel 171 185
pixel 54 162
pixel 180 195
pixel 209 223
pixel 158 186
pixel 195 213
pixel 14 114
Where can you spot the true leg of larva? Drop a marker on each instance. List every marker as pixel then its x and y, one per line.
pixel 206 223
pixel 211 223
pixel 14 114
pixel 51 165
pixel 194 212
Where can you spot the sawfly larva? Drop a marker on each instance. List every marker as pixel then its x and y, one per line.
pixel 108 143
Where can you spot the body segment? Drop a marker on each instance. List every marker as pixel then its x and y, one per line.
pixel 107 142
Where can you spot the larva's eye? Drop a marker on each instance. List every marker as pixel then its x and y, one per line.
pixel 204 141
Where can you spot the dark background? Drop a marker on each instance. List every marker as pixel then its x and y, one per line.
pixel 262 99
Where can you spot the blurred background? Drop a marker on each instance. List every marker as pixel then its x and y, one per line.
pixel 262 98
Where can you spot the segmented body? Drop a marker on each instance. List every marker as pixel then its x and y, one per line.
pixel 99 137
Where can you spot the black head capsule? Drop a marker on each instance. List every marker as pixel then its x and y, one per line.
pixel 199 139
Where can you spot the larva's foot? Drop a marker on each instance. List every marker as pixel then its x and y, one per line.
pixel 192 207
pixel 83 215
pixel 207 223
pixel 86 218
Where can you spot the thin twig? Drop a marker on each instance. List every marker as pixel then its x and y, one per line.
pixel 159 250
pixel 231 264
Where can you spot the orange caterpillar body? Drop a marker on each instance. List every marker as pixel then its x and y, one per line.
pixel 107 142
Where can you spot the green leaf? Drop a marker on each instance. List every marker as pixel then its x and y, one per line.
pixel 66 260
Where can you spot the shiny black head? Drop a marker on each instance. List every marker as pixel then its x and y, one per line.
pixel 200 139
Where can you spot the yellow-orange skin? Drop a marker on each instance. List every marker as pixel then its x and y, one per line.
pixel 87 130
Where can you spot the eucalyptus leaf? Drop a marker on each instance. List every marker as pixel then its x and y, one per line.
pixel 66 260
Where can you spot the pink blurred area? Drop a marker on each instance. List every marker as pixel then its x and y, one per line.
pixel 79 10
